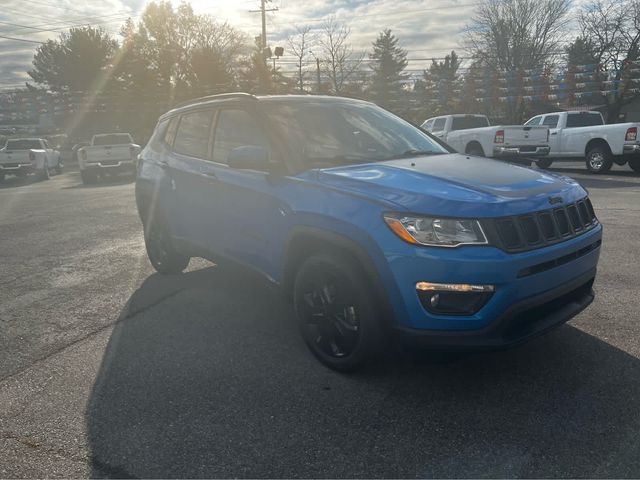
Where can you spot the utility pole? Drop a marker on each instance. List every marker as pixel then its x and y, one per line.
pixel 263 11
pixel 318 73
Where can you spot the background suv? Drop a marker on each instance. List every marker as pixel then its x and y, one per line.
pixel 368 223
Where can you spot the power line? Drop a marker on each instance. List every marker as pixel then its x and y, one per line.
pixel 64 25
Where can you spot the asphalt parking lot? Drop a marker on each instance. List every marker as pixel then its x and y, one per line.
pixel 110 370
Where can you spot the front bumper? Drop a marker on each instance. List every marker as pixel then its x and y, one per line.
pixel 521 322
pixel 516 277
pixel 520 151
pixel 631 149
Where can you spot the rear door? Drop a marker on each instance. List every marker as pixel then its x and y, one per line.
pixel 193 179
pixel 555 133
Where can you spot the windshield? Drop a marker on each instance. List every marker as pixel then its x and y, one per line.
pixel 463 123
pixel 112 139
pixel 23 144
pixel 341 133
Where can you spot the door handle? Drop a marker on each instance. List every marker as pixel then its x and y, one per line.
pixel 554 133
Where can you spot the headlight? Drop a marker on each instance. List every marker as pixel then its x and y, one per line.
pixel 436 232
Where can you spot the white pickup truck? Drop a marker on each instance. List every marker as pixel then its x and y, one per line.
pixel 21 156
pixel 108 154
pixel 581 134
pixel 473 135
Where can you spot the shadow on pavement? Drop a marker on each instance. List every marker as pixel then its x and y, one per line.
pixel 205 376
pixel 103 182
pixel 15 182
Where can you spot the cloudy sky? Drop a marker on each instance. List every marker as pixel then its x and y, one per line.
pixel 426 28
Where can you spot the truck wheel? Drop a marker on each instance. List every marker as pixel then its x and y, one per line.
pixel 88 178
pixel 160 250
pixel 337 313
pixel 544 163
pixel 599 159
pixel 634 164
pixel 475 149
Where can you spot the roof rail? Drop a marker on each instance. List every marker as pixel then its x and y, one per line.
pixel 219 96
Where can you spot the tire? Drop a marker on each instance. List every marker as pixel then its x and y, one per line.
pixel 544 163
pixel 634 164
pixel 337 313
pixel 1 177
pixel 598 159
pixel 475 149
pixel 88 178
pixel 160 250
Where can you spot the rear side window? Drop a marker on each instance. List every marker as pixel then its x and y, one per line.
pixel 463 123
pixel 551 121
pixel 192 136
pixel 170 132
pixel 438 124
pixel 583 120
pixel 236 128
pixel 534 121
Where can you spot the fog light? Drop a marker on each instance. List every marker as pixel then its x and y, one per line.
pixel 453 298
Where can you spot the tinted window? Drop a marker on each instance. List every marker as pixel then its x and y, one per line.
pixel 112 139
pixel 170 134
pixel 192 136
pixel 551 121
pixel 583 119
pixel 438 124
pixel 534 121
pixel 463 123
pixel 23 144
pixel 236 128
pixel 338 133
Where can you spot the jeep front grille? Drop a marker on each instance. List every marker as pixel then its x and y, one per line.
pixel 539 229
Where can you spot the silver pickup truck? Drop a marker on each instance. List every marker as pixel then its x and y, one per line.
pixel 108 154
pixel 22 156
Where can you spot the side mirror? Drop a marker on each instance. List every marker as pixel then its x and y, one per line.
pixel 249 157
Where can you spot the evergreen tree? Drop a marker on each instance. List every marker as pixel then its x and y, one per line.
pixel 389 62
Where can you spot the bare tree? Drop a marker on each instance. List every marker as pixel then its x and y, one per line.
pixel 513 35
pixel 340 62
pixel 613 28
pixel 508 35
pixel 300 44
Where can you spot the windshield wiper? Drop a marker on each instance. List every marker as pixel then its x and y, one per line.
pixel 416 153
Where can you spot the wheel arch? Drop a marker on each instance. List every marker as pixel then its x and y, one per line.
pixel 596 142
pixel 304 241
pixel 474 143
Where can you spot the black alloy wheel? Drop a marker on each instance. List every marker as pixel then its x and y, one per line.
pixel 336 312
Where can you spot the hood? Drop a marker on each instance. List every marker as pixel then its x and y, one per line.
pixel 454 185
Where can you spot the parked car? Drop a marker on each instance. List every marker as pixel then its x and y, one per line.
pixel 367 223
pixel 22 156
pixel 583 135
pixel 108 154
pixel 474 135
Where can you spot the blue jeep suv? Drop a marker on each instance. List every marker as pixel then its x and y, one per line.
pixel 369 224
